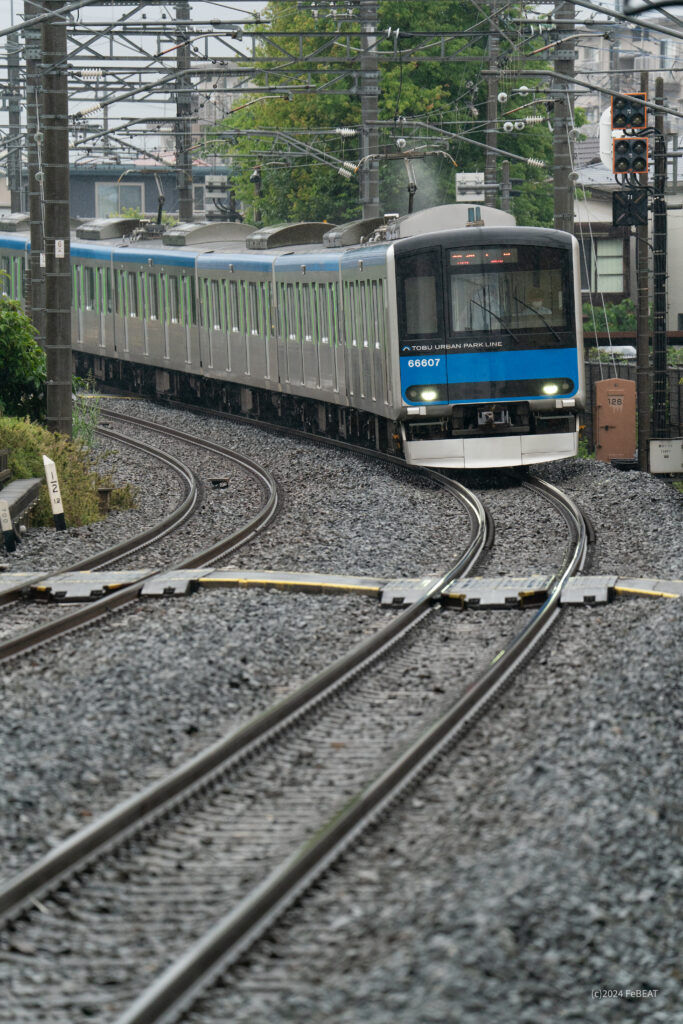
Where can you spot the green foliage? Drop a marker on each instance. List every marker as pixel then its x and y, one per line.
pixel 136 213
pixel 443 101
pixel 674 355
pixel 614 317
pixel 584 451
pixel 28 442
pixel 23 378
pixel 86 409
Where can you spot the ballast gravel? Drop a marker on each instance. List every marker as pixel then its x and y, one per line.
pixel 533 877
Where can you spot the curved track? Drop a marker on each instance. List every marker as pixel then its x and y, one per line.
pixel 124 596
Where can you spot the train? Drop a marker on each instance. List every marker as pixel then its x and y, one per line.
pixel 450 336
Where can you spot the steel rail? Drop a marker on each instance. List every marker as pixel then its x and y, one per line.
pixel 136 812
pixel 180 985
pixel 126 595
pixel 139 540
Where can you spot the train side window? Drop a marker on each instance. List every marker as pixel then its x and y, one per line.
pixel 215 304
pixel 174 298
pixel 89 289
pixel 254 310
pixel 234 307
pixel 119 294
pixel 315 320
pixel 334 312
pixel 291 313
pixel 108 291
pixel 74 286
pixel 323 315
pixel 223 290
pixel 190 297
pixel 133 309
pixel 364 312
pixel 306 310
pixel 153 296
pixel 266 310
pixel 244 311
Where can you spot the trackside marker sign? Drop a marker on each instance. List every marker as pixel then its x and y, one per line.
pixel 54 492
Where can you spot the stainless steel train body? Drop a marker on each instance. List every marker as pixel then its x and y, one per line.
pixel 458 346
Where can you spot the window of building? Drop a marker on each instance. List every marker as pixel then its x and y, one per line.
pixel 602 265
pixel 608 271
pixel 114 197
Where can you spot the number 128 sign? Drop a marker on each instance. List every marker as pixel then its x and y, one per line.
pixel 54 492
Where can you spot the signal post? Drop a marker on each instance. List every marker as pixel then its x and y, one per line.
pixel 630 157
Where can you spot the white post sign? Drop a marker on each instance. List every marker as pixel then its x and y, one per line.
pixel 54 492
pixel 7 528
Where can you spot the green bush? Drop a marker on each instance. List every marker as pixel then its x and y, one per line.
pixel 23 378
pixel 86 409
pixel 614 317
pixel 28 442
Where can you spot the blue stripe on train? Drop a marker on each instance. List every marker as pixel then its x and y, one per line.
pixel 481 366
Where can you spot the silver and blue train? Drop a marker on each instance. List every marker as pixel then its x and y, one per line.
pixel 450 336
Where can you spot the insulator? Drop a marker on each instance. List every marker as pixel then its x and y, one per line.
pixel 534 119
pixel 350 167
pixel 92 73
pixel 344 173
pixel 533 162
pixel 88 110
pixel 347 133
pixel 508 126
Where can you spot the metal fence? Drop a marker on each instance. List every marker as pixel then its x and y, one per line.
pixel 602 371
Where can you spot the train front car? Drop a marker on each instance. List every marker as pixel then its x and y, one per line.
pixel 490 346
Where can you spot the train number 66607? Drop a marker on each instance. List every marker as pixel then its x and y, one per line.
pixel 424 362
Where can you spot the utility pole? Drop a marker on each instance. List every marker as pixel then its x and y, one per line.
pixel 369 105
pixel 33 51
pixel 55 167
pixel 14 117
pixel 659 245
pixel 505 186
pixel 183 135
pixel 643 380
pixel 563 121
pixel 491 132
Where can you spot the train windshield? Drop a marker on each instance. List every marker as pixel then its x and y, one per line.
pixel 510 290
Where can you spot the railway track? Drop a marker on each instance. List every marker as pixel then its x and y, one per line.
pixel 206 556
pixel 211 953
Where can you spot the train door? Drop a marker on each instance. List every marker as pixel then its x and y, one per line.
pixel 135 318
pixel 351 339
pixel 120 310
pixel 328 376
pixel 256 326
pixel 421 327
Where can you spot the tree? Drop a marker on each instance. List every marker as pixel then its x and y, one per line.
pixel 438 104
pixel 23 379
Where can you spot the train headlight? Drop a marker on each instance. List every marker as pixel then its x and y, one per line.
pixel 550 389
pixel 429 395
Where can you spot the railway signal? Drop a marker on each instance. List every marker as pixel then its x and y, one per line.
pixel 630 155
pixel 627 112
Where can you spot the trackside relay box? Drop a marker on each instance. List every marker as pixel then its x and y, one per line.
pixel 666 456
